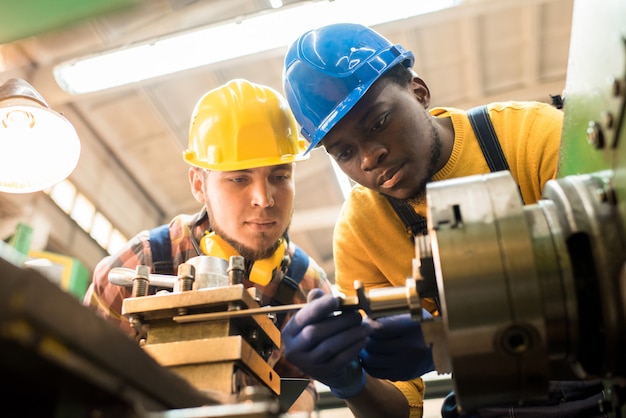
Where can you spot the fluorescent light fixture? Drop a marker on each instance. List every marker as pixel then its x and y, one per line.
pixel 38 146
pixel 213 44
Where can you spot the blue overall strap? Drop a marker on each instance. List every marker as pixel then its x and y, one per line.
pixel 490 146
pixel 298 266
pixel 161 248
pixel 415 224
pixel 487 138
pixel 291 280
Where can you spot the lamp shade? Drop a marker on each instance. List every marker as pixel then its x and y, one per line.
pixel 38 146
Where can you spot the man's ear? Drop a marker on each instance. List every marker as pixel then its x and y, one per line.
pixel 196 182
pixel 420 90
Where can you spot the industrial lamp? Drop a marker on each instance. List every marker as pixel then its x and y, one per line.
pixel 38 146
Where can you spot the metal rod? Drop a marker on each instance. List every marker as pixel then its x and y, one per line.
pixel 215 316
pixel 345 304
pixel 123 276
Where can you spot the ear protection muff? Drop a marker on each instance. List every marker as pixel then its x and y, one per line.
pixel 213 245
pixel 261 272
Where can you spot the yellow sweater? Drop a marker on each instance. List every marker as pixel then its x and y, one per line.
pixel 370 241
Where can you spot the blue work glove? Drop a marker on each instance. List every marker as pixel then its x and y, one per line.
pixel 325 345
pixel 396 349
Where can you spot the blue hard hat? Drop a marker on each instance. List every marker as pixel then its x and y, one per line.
pixel 327 71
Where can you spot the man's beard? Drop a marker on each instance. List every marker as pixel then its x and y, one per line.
pixel 435 155
pixel 266 249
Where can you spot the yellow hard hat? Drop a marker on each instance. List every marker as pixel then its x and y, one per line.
pixel 242 125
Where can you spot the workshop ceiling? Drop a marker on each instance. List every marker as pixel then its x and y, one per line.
pixel 476 52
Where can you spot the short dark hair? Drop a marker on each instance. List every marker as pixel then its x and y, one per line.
pixel 399 74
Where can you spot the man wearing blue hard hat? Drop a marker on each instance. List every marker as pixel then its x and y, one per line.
pixel 355 93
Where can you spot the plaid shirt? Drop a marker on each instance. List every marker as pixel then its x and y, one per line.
pixel 106 298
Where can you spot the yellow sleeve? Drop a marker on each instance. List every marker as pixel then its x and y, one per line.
pixel 370 244
pixel 413 391
pixel 530 135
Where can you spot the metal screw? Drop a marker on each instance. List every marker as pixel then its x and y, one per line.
pixel 607 119
pixel 186 277
pixel 601 195
pixel 605 193
pixel 141 281
pixel 236 269
pixel 618 87
pixel 135 322
pixel 516 340
pixel 594 135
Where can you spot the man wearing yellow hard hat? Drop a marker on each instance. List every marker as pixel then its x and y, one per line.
pixel 243 145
